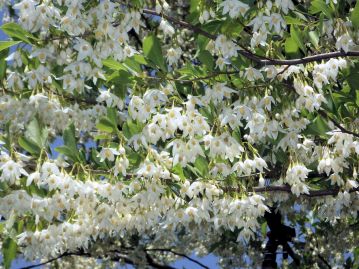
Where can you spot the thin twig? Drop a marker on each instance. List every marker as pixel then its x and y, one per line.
pixel 48 261
pixel 154 264
pixel 321 257
pixel 337 124
pixel 151 262
pixel 179 254
pixel 257 58
pixel 312 193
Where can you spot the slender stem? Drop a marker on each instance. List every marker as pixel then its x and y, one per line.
pixel 150 261
pixel 256 58
pixel 312 193
pixel 48 261
pixel 337 124
pixel 179 254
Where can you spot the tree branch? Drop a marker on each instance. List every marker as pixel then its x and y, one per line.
pixel 312 193
pixel 256 58
pixel 325 115
pixel 48 261
pixel 337 124
pixel 154 264
pixel 118 256
pixel 179 254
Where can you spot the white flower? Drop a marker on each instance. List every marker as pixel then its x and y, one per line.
pixel 260 164
pixel 277 22
pixel 33 177
pixel 110 99
pixel 259 38
pixel 173 55
pixel 325 165
pixel 285 5
pixel 336 179
pixel 108 154
pixel 16 58
pixel 234 8
pixel 226 47
pixel 253 74
pixel 168 89
pixel 271 71
pixel 204 17
pixel 11 171
pixel 220 63
pixel 166 27
pixel 344 42
pixel 48 169
pixel 121 165
pixel 267 101
pixel 84 49
pixel 41 54
pixel 296 176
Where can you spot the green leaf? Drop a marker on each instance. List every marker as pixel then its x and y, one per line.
pixel 355 15
pixel 353 78
pixel 9 249
pixel 357 98
pixel 294 21
pixel 319 6
pixel 194 5
pixel 112 64
pixel 105 125
pixel 70 137
pixel 213 26
pixel 134 158
pixel 67 151
pixel 231 28
pixel 29 146
pixel 140 59
pixel 291 47
pixel 178 170
pixel 131 128
pixel 70 148
pixel 318 127
pixel 207 59
pixel 15 31
pixel 7 44
pixel 264 229
pixel 112 115
pixel 36 133
pixel 3 55
pixel 131 65
pixel 297 38
pixel 121 80
pixel 314 38
pixel 153 51
pixel 202 165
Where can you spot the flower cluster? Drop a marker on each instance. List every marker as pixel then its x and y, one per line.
pixel 170 130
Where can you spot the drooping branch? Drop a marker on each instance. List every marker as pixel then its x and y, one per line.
pixel 320 257
pixel 48 261
pixel 116 258
pixel 337 124
pixel 181 23
pixel 154 264
pixel 179 254
pixel 325 115
pixel 312 193
pixel 256 58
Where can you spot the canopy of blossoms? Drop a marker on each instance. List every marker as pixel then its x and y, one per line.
pixel 181 123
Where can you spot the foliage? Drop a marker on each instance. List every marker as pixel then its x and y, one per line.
pixel 182 123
